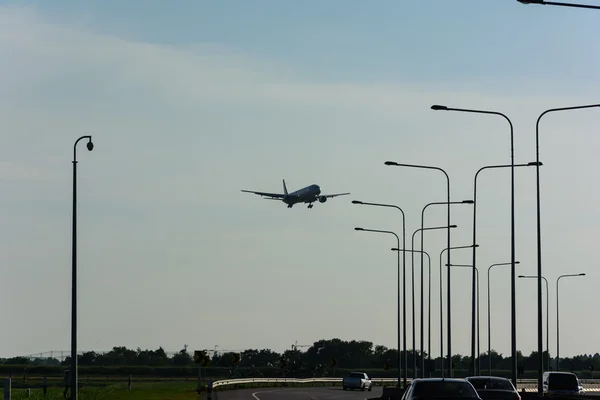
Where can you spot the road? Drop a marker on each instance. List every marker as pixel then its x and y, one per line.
pixel 309 393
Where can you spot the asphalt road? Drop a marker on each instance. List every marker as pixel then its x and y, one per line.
pixel 309 393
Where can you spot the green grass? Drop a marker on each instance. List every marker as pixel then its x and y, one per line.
pixel 139 391
pixel 164 390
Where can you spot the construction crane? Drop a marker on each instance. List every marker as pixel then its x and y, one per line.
pixel 296 345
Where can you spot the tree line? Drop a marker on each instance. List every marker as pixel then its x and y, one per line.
pixel 322 358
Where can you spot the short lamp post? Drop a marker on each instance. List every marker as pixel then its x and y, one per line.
pixel 557 308
pixel 398 241
pixel 547 318
pixel 474 268
pixel 441 306
pixel 405 374
pixel 489 315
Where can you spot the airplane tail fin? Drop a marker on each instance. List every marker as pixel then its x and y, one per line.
pixel 285 191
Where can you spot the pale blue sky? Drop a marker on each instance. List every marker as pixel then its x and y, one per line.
pixel 189 102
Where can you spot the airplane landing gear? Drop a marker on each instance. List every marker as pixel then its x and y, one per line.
pixel 310 205
pixel 290 205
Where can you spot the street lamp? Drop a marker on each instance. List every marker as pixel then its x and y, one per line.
pixel 74 388
pixel 413 294
pixel 422 223
pixel 489 316
pixel 477 308
pixel 428 294
pixel 398 240
pixel 393 163
pixel 403 289
pixel 547 318
pixel 557 326
pixel 530 164
pixel 441 313
pixel 554 3
pixel 512 241
pixel 539 237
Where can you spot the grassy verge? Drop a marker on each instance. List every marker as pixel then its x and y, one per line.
pixel 144 391
pixel 139 391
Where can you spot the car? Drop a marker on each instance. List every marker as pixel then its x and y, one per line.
pixel 561 383
pixel 494 388
pixel 439 389
pixel 357 380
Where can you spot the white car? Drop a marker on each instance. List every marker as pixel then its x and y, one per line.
pixel 357 380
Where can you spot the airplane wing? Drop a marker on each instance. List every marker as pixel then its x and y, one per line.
pixel 333 195
pixel 273 196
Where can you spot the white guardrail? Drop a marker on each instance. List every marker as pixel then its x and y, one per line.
pixel 227 384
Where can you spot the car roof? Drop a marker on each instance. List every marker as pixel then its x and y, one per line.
pixel 438 380
pixel 487 377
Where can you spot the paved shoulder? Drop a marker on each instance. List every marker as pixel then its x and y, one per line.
pixel 327 393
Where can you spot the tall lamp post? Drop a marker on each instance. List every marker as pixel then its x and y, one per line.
pixel 539 238
pixel 512 241
pixel 441 312
pixel 393 163
pixel 557 325
pixel 477 308
pixel 489 315
pixel 405 373
pixel 422 277
pixel 428 294
pixel 555 3
pixel 74 388
pixel 413 295
pixel 547 319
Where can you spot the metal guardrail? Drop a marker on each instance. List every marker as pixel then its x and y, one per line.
pixel 527 385
pixel 232 382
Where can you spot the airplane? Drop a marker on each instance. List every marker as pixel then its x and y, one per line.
pixel 308 194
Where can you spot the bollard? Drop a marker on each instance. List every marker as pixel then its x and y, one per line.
pixel 129 383
pixel 7 383
pixel 199 389
pixel 209 390
pixel 45 386
pixel 28 393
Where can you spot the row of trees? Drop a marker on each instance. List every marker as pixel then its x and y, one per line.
pixel 323 354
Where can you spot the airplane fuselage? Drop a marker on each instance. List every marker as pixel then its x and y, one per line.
pixel 308 194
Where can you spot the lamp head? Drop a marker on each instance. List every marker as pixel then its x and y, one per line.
pixel 467 202
pixel 356 202
pixel 517 262
pixel 521 276
pixel 90 145
pixel 453 226
pixel 358 229
pixel 535 164
pixel 476 245
pixel 582 274
pixel 391 163
pixel 438 107
pixel 395 249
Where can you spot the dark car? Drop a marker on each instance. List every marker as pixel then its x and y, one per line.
pixel 440 388
pixel 494 388
pixel 561 383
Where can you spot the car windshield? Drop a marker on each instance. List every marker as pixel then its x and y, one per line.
pixel 443 389
pixel 491 384
pixel 356 375
pixel 562 382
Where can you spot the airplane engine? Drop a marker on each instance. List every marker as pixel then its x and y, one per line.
pixel 322 199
